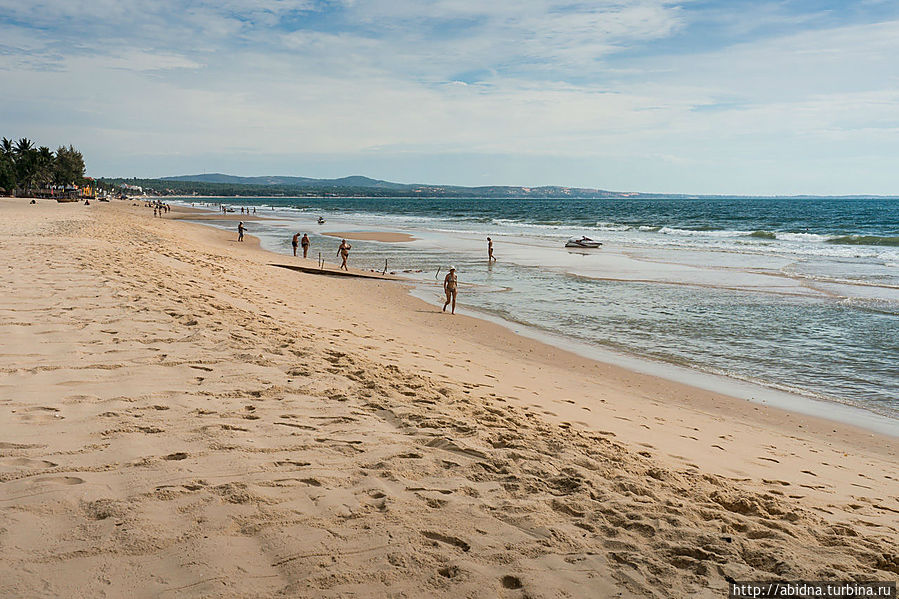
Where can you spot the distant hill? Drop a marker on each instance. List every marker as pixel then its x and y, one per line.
pixel 352 181
pixel 219 184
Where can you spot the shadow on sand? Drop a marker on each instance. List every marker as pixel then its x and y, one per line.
pixel 337 273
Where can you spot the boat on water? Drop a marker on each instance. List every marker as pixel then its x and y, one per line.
pixel 582 242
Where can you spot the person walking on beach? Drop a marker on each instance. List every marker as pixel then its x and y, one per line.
pixel 295 242
pixel 490 255
pixel 449 288
pixel 240 230
pixel 344 252
pixel 305 243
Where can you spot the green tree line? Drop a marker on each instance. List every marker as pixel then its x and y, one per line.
pixel 25 168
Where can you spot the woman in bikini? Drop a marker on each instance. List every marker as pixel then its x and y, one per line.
pixel 344 251
pixel 449 287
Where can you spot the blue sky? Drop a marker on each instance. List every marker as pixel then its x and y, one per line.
pixel 702 96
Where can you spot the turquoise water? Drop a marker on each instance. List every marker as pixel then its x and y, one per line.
pixel 798 295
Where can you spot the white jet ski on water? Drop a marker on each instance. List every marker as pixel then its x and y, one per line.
pixel 583 242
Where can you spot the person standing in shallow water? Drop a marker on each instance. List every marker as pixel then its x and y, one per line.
pixel 344 252
pixel 240 230
pixel 295 242
pixel 305 243
pixel 450 283
pixel 490 255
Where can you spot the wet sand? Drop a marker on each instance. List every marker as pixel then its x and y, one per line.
pixel 181 417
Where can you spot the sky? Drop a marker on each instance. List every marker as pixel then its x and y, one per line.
pixel 695 96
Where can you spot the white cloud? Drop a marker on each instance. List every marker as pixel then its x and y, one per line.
pixel 504 78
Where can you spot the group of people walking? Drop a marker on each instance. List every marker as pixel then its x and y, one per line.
pixel 450 281
pixel 159 207
pixel 343 251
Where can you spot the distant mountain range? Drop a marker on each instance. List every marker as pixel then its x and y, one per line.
pixel 353 181
pixel 207 183
pixel 218 184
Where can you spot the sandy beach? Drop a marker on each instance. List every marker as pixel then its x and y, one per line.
pixel 181 418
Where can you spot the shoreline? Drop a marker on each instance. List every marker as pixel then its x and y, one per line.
pixel 188 418
pixel 742 390
pixel 738 389
pixel 534 344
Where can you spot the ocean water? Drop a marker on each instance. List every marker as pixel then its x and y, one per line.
pixel 800 295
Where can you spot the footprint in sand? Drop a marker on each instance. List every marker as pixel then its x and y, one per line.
pixel 511 582
pixel 28 463
pixel 292 464
pixel 39 414
pixel 59 480
pixel 442 538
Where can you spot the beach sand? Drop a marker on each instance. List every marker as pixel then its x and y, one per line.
pixel 183 419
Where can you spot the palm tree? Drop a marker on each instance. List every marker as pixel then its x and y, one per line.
pixel 26 164
pixel 7 148
pixel 43 171
pixel 7 166
pixel 23 146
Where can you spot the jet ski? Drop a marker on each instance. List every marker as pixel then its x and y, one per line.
pixel 321 220
pixel 582 242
